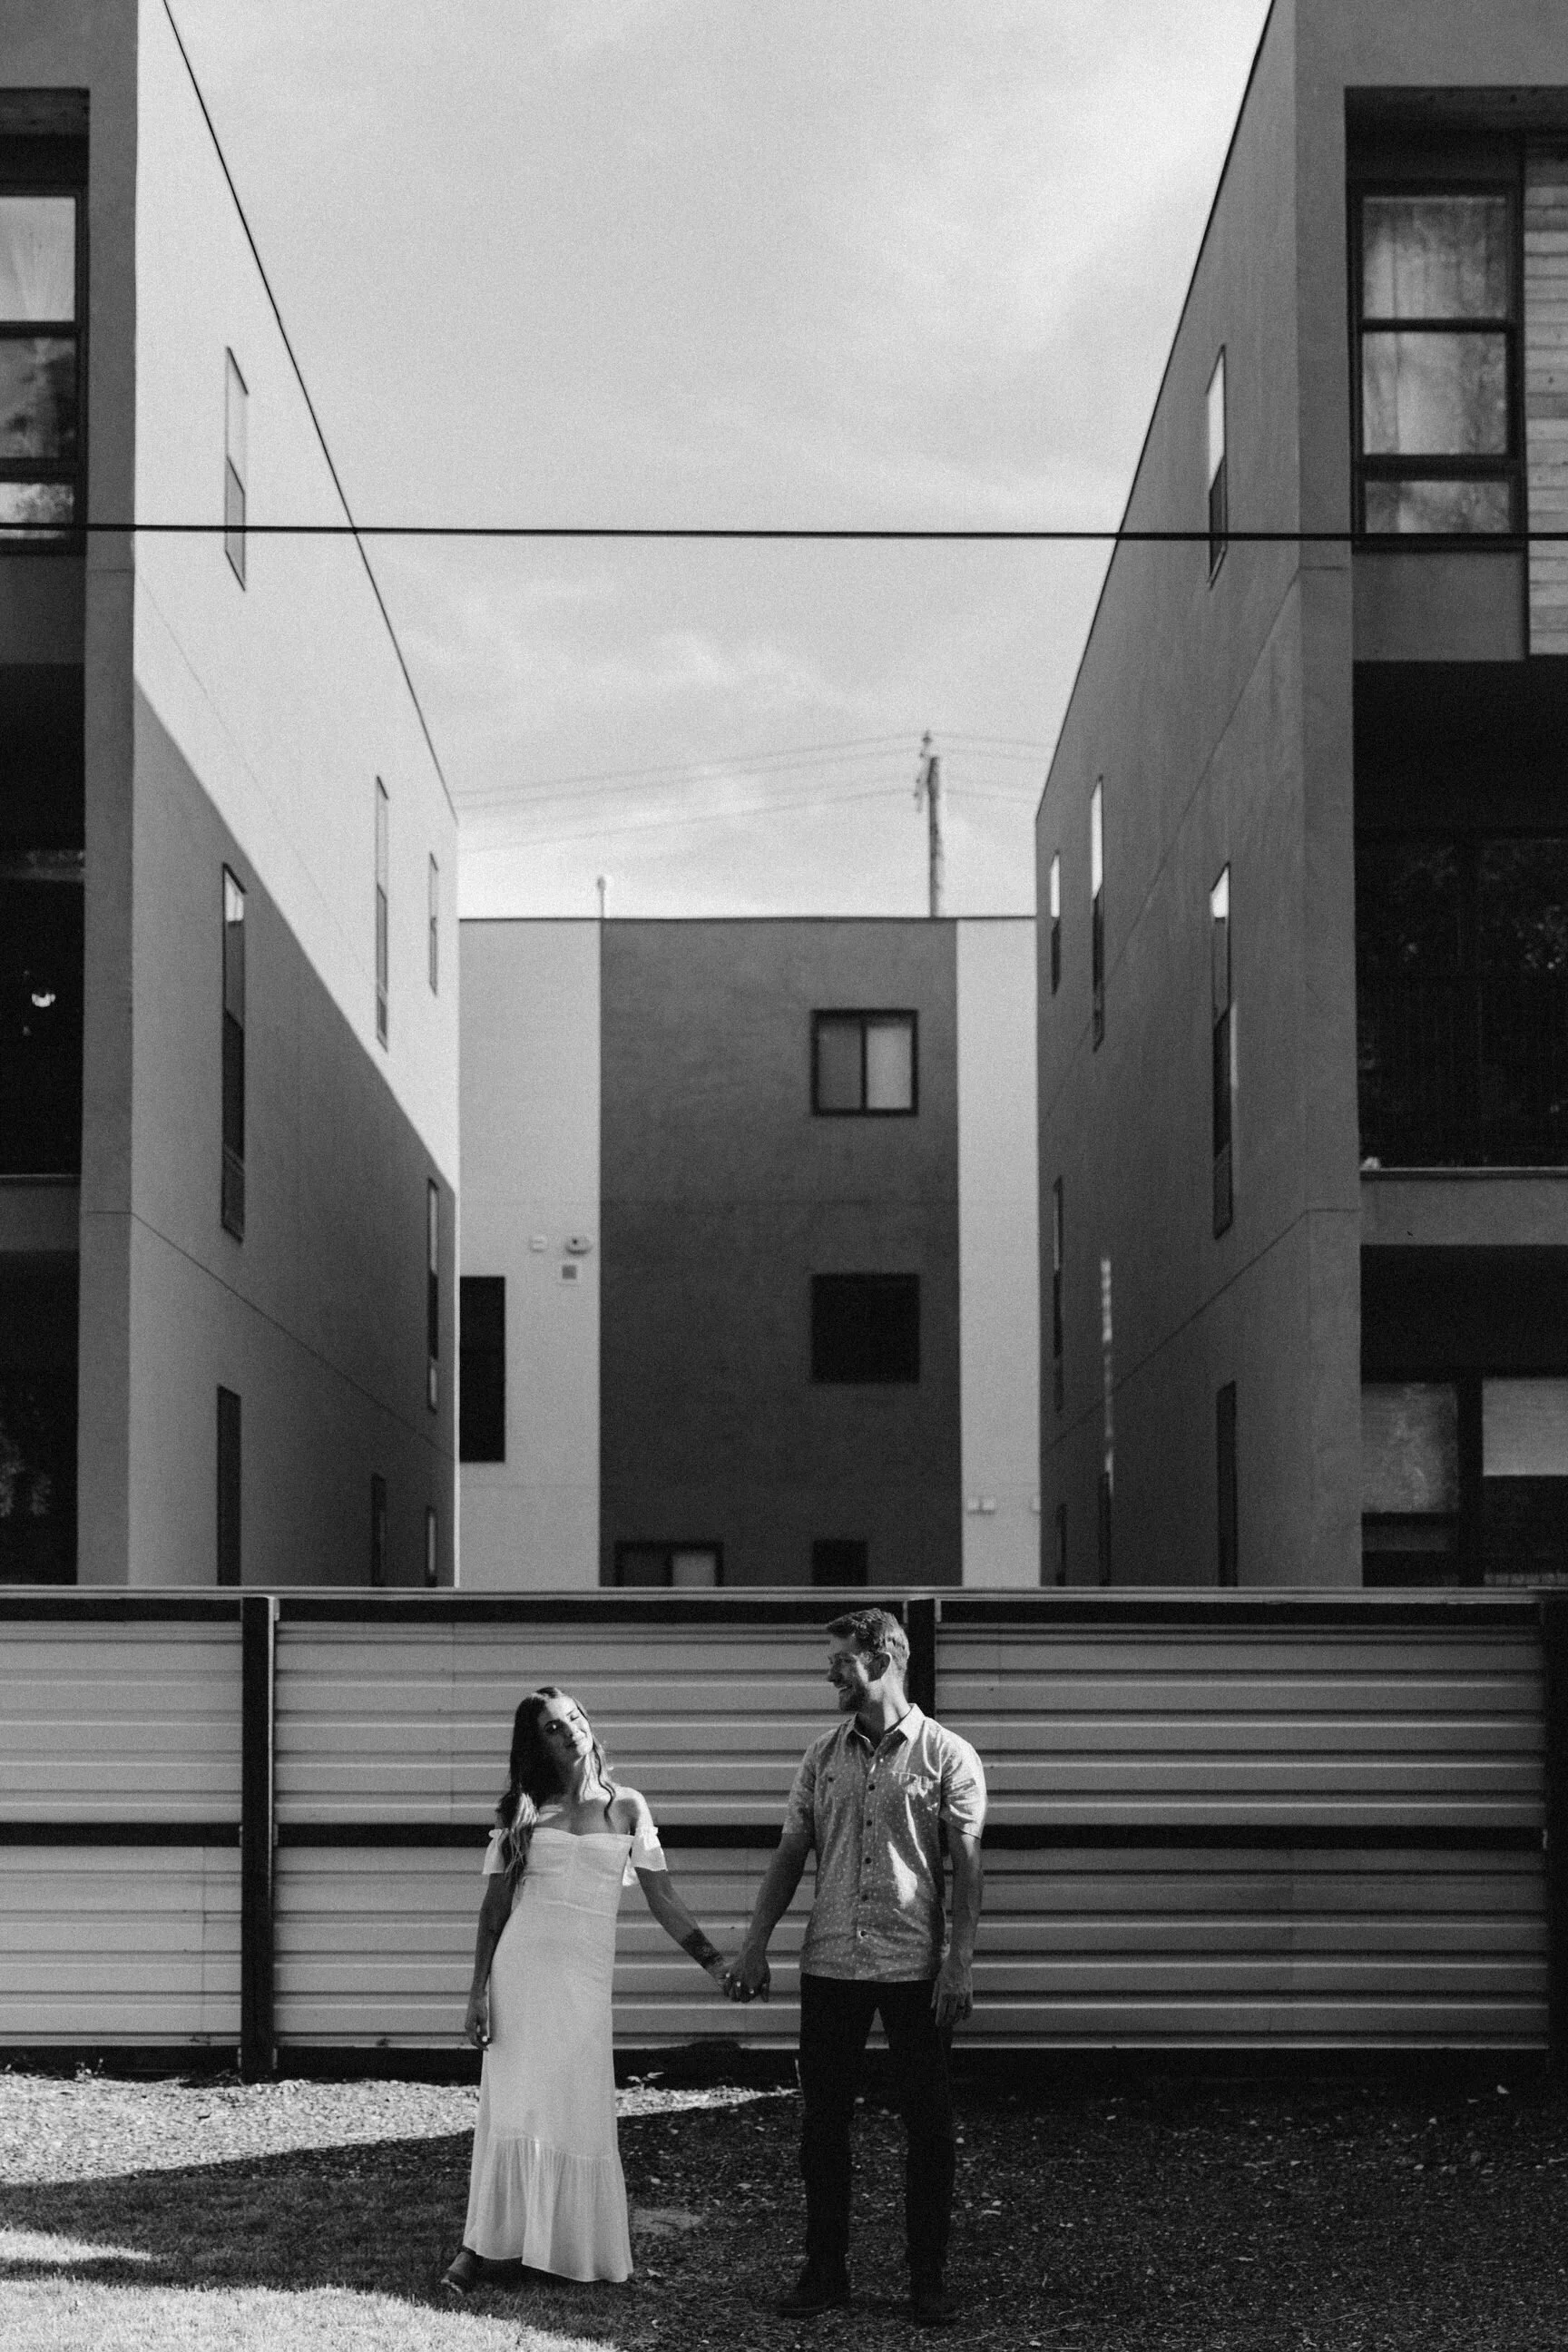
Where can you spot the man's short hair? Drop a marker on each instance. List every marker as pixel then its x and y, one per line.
pixel 875 1629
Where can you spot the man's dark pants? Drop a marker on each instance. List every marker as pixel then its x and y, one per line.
pixel 836 2017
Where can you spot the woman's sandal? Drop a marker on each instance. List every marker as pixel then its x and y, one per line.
pixel 463 2275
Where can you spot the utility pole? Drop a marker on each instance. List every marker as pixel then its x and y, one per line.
pixel 928 788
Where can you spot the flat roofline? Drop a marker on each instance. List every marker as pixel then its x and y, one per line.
pixel 629 922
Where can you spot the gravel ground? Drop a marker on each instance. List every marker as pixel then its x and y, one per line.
pixel 1230 2217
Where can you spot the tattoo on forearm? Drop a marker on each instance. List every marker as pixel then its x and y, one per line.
pixel 702 1950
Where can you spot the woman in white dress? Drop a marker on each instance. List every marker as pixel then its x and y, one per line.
pixel 547 2187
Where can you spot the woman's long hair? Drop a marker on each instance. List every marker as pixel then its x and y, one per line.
pixel 534 1777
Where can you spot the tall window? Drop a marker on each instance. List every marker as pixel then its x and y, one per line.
pixel 1096 903
pixel 863 1063
pixel 41 405
pixel 432 1295
pixel 232 1204
pixel 481 1368
pixel 432 934
pixel 377 1529
pixel 1438 375
pixel 1056 906
pixel 1227 1565
pixel 1059 1561
pixel 383 866
pixel 1219 491
pixel 864 1329
pixel 235 474
pixel 229 1544
pixel 432 1568
pixel 1056 1382
pixel 1222 1057
pixel 1102 1527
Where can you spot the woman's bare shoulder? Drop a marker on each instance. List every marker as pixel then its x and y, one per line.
pixel 628 1809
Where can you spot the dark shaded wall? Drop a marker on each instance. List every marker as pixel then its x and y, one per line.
pixel 722 1195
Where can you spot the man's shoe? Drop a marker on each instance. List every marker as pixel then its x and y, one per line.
pixel 815 2290
pixel 464 2274
pixel 930 2305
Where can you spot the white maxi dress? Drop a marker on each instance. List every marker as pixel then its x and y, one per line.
pixel 547 2187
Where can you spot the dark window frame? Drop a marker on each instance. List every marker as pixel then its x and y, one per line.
pixel 1221 1077
pixel 1511 468
pixel 908 1284
pixel 432 1549
pixel 1096 909
pixel 822 1545
pixel 231 1190
pixel 432 1293
pixel 1218 498
pixel 659 1543
pixel 1054 901
pixel 1058 1256
pixel 66 539
pixel 864 1014
pixel 1060 1563
pixel 229 1529
pixel 481 1418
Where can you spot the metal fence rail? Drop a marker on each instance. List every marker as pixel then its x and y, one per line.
pixel 1219 1820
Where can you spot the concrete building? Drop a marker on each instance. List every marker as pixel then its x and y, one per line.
pixel 749 1253
pixel 228 1027
pixel 1303 854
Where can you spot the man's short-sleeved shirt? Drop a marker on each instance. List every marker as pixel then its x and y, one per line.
pixel 874 1816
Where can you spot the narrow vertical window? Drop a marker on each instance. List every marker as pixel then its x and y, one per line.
pixel 1219 494
pixel 41 405
pixel 1102 1528
pixel 1056 1292
pixel 434 932
pixel 1055 923
pixel 1059 1565
pixel 236 401
pixel 377 1529
pixel 432 1576
pixel 228 1546
pixel 383 864
pixel 1225 1469
pixel 1096 903
pixel 1221 1048
pixel 481 1368
pixel 232 1189
pixel 432 1295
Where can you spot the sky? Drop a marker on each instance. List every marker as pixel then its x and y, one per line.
pixel 876 263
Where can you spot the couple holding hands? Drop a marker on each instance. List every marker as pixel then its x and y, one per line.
pixel 874 1798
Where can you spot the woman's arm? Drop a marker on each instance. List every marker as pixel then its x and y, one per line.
pixel 494 1913
pixel 679 1923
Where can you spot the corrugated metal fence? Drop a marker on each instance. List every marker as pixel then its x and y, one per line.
pixel 1217 1820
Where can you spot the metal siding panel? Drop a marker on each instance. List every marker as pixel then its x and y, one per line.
pixel 101 1949
pixel 129 1722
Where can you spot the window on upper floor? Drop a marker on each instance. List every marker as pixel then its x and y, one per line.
pixel 1222 1034
pixel 1227 1569
pixel 232 1190
pixel 1057 1255
pixel 864 1064
pixel 235 463
pixel 864 1329
pixel 228 1569
pixel 382 875
pixel 481 1368
pixel 1218 490
pixel 432 1294
pixel 41 405
pixel 1097 905
pixel 840 1560
pixel 691 1566
pixel 1437 386
pixel 1056 906
pixel 432 934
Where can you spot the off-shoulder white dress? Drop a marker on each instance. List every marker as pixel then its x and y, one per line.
pixel 547 2187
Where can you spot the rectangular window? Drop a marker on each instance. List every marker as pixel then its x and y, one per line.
pixel 228 1487
pixel 1218 491
pixel 863 1064
pixel 434 933
pixel 383 866
pixel 1056 1380
pixel 481 1368
pixel 377 1529
pixel 232 1190
pixel 1523 1519
pixel 1055 905
pixel 1410 1449
pixel 432 1566
pixel 693 1567
pixel 432 1295
pixel 1438 362
pixel 42 411
pixel 1096 903
pixel 1221 1055
pixel 235 467
pixel 1228 1568
pixel 1060 1563
pixel 864 1329
pixel 840 1560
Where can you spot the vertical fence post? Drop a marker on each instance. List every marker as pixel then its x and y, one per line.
pixel 1554 1661
pixel 920 1624
pixel 259 1642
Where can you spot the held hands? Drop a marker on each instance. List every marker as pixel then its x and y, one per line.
pixel 749 1977
pixel 952 1994
pixel 477 2022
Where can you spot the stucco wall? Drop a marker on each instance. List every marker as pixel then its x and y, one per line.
pixel 530 1144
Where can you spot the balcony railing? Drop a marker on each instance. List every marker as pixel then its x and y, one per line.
pixel 1466 1071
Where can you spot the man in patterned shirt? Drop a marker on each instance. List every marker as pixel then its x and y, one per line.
pixel 876 1798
